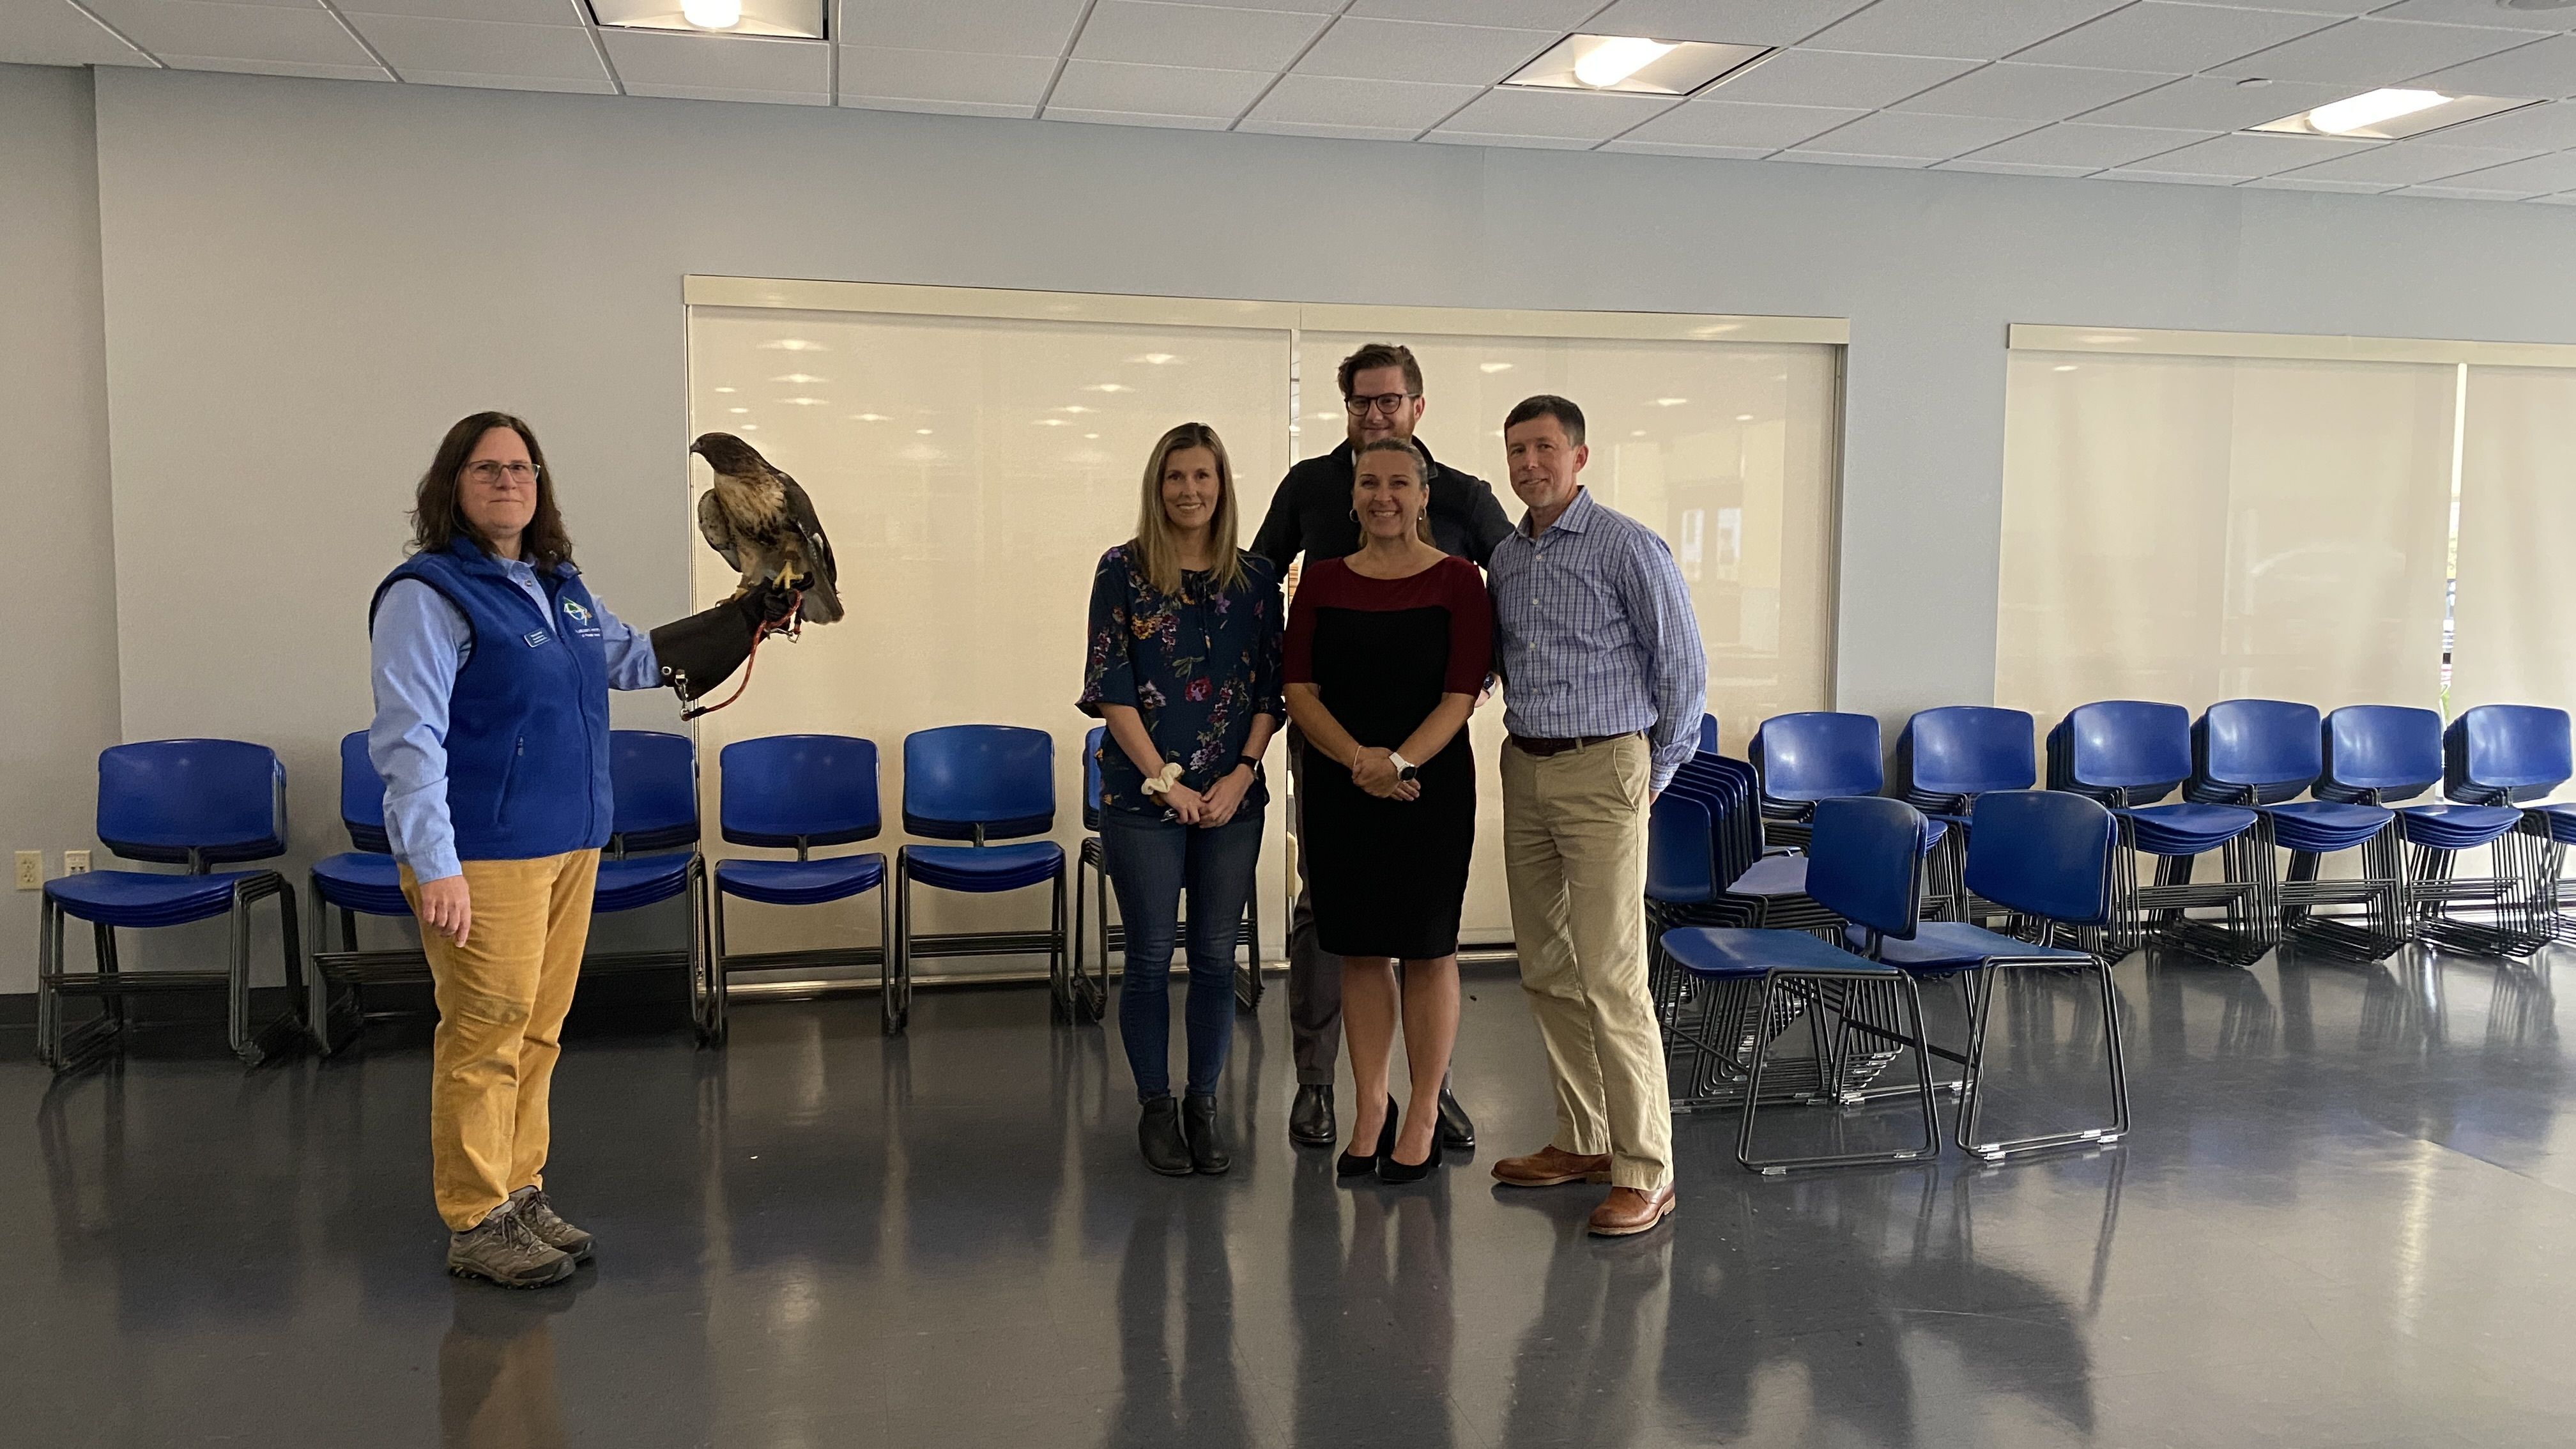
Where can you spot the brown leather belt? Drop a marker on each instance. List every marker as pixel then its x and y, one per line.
pixel 1545 748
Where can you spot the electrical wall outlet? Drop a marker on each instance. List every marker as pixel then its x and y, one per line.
pixel 31 870
pixel 75 862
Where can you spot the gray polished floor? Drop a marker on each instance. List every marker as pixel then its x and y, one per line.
pixel 2346 1217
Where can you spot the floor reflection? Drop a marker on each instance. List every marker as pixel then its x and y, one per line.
pixel 1178 1380
pixel 496 1369
pixel 1376 1329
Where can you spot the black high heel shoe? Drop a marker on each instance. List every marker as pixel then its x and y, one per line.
pixel 1353 1164
pixel 1397 1174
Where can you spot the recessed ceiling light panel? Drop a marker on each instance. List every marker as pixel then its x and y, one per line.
pixel 1633 64
pixel 2391 114
pixel 788 19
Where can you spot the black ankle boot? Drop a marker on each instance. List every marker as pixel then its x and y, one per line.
pixel 1207 1140
pixel 1167 1149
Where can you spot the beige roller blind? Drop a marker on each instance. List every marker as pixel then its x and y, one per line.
pixel 2516 616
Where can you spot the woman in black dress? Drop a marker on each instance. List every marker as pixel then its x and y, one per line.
pixel 1387 651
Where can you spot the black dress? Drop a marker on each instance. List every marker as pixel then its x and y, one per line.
pixel 1388 877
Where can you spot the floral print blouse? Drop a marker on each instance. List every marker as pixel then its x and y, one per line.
pixel 1197 665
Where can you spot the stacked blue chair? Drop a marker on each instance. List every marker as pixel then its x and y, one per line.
pixel 2265 753
pixel 653 856
pixel 1811 756
pixel 2494 758
pixel 198 803
pixel 803 793
pixel 981 783
pixel 361 881
pixel 2129 753
pixel 2047 858
pixel 1091 993
pixel 1866 865
pixel 1945 759
pixel 1708 734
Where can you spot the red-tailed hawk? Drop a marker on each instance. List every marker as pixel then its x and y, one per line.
pixel 763 525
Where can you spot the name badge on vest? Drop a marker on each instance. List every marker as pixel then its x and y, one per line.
pixel 536 638
pixel 582 623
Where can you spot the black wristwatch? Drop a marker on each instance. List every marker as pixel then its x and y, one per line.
pixel 1253 760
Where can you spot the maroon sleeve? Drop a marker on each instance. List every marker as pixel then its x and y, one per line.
pixel 1471 630
pixel 1299 664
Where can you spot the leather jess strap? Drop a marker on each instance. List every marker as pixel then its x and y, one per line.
pixel 1545 748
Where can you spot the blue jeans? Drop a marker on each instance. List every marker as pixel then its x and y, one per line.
pixel 1150 863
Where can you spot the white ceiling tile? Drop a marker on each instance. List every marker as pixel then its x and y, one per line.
pixel 309 70
pixel 2167 178
pixel 2563 198
pixel 2544 68
pixel 936 108
pixel 1934 138
pixel 1523 143
pixel 979 27
pixel 1156 90
pixel 2244 156
pixel 1258 126
pixel 204 29
pixel 2297 183
pixel 1201 36
pixel 1970 29
pixel 1309 7
pixel 2529 178
pixel 2364 53
pixel 1367 105
pixel 721 67
pixel 1738 22
pixel 1574 115
pixel 55 32
pixel 1666 148
pixel 2010 168
pixel 1533 14
pixel 2537 128
pixel 2330 9
pixel 1732 125
pixel 1012 84
pixel 2208 103
pixel 2155 35
pixel 2031 92
pixel 2090 147
pixel 1155 120
pixel 1475 55
pixel 2406 163
pixel 1839 158
pixel 2479 12
pixel 515 12
pixel 2461 193
pixel 416 46
pixel 568 85
pixel 1835 78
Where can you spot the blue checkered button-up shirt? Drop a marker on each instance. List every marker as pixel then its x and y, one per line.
pixel 1595 634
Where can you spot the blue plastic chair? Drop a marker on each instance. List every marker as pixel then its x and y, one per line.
pixel 1708 734
pixel 981 783
pixel 2128 753
pixel 2265 753
pixel 1866 864
pixel 2494 758
pixel 2047 859
pixel 1945 759
pixel 197 803
pixel 361 881
pixel 1811 756
pixel 652 856
pixel 803 793
pixel 1091 992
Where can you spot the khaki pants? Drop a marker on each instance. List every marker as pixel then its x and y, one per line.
pixel 502 997
pixel 1574 851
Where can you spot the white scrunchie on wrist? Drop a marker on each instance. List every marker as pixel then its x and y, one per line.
pixel 1162 783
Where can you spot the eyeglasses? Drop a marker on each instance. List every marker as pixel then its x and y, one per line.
pixel 489 472
pixel 1388 403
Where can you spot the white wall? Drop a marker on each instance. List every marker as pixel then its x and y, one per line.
pixel 58 585
pixel 306 280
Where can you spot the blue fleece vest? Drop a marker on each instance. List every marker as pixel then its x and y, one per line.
pixel 527 729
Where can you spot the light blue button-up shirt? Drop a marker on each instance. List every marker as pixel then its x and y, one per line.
pixel 1595 633
pixel 420 642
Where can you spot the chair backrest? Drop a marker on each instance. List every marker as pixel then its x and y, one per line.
pixel 1959 752
pixel 1091 746
pixel 2262 750
pixel 2499 753
pixel 653 777
pixel 1708 734
pixel 799 791
pixel 2134 747
pixel 1818 755
pixel 2380 752
pixel 362 796
pixel 978 782
pixel 1681 861
pixel 2042 853
pixel 192 802
pixel 1865 863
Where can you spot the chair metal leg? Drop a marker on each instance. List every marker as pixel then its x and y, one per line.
pixel 901 945
pixel 1905 1013
pixel 237 986
pixel 2115 1067
pixel 706 963
pixel 894 1001
pixel 1081 863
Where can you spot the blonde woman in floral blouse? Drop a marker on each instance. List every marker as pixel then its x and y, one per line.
pixel 1184 668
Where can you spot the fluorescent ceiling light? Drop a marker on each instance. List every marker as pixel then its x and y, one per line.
pixel 2391 114
pixel 1633 64
pixel 775 19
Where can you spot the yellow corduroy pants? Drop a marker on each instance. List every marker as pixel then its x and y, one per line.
pixel 502 997
pixel 1574 855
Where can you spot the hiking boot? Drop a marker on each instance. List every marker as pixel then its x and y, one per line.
pixel 503 1249
pixel 552 1231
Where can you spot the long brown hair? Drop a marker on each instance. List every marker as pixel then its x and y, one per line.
pixel 1158 557
pixel 437 519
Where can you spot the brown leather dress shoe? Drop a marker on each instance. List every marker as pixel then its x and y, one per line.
pixel 1629 1210
pixel 1551 1165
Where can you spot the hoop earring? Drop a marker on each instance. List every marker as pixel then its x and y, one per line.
pixel 1355 515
